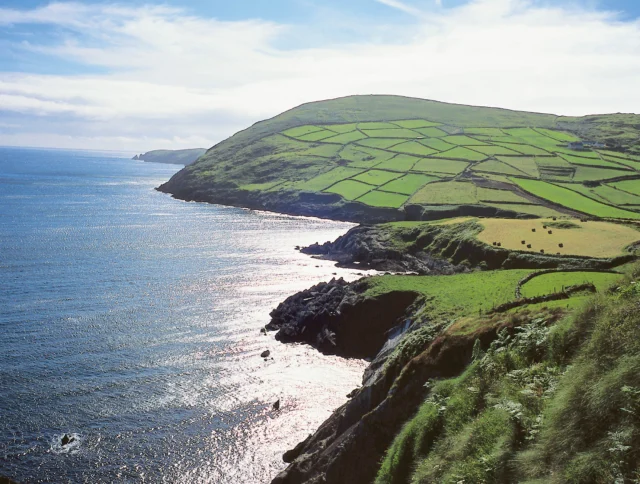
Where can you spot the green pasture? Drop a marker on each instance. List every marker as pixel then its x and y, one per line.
pixel 413 148
pixel 459 294
pixel 376 177
pixel 461 153
pixel 377 198
pixel 416 123
pixel 630 186
pixel 327 179
pixel 350 189
pixel 391 133
pixel 494 166
pixel 449 192
pixel 430 165
pixel 525 164
pixel 408 184
pixel 557 281
pixel 573 200
pixel 399 162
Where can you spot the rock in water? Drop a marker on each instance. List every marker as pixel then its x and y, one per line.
pixel 265 354
pixel 276 405
pixel 66 439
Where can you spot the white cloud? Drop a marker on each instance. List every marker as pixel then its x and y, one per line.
pixel 177 79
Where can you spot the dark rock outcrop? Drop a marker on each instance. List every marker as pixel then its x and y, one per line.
pixel 438 249
pixel 368 246
pixel 336 318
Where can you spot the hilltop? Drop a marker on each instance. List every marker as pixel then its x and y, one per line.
pixel 385 158
pixel 172 157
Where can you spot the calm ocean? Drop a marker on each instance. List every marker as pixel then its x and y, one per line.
pixel 131 321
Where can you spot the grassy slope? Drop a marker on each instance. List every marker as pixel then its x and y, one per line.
pixel 177 157
pixel 282 156
pixel 548 402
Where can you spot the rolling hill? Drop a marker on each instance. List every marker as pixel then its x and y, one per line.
pixel 384 158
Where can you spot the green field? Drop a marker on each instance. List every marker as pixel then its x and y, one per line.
pixel 350 189
pixel 376 177
pixel 378 198
pixel 575 201
pixel 308 148
pixel 557 281
pixel 408 184
pixel 452 192
pixel 460 294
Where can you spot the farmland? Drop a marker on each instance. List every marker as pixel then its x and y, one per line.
pixel 400 145
pixel 590 239
pixel 537 161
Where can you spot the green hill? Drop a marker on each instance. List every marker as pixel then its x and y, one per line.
pixel 375 158
pixel 173 157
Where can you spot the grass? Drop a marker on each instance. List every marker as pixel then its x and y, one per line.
pixel 376 125
pixel 591 239
pixel 573 200
pixel 416 123
pixel 496 150
pixel 378 198
pixel 630 186
pixel 301 131
pixel 588 173
pixel 345 138
pixel 461 153
pixel 341 128
pixel 452 192
pixel 362 154
pixel 392 133
pixel 457 295
pixel 327 179
pixel 399 162
pixel 557 281
pixel 349 189
pixel 436 144
pixel 462 140
pixel 452 167
pixel 383 143
pixel 526 164
pixel 413 148
pixel 554 400
pixel 408 184
pixel 493 195
pixel 494 166
pixel 431 132
pixel 526 149
pixel 579 160
pixel 376 177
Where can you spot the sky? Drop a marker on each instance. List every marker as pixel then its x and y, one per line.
pixel 139 75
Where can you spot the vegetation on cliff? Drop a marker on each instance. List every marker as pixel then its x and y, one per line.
pixel 549 402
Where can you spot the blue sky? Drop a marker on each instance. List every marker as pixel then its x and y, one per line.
pixel 139 75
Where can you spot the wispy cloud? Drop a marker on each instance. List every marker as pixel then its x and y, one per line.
pixel 403 7
pixel 175 79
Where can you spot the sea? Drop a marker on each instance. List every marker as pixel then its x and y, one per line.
pixel 130 322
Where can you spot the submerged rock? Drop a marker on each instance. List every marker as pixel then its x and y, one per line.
pixel 265 354
pixel 67 439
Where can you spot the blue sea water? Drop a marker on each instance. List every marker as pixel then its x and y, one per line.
pixel 131 320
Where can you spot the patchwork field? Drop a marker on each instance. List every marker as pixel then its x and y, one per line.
pixel 406 156
pixel 592 239
pixel 314 147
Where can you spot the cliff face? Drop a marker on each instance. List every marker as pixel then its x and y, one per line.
pixel 349 446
